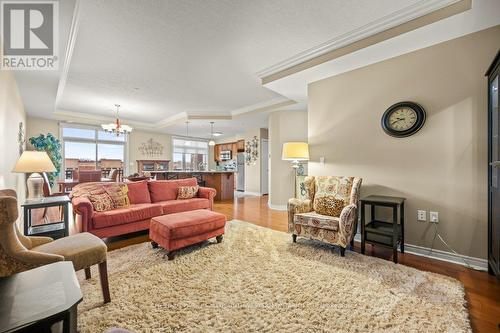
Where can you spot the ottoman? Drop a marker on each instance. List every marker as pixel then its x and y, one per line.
pixel 178 230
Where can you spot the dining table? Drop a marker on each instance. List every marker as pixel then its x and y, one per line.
pixel 65 185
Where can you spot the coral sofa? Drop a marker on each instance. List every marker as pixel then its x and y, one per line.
pixel 148 199
pixel 328 212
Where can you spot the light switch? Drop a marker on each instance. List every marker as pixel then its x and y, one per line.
pixel 434 217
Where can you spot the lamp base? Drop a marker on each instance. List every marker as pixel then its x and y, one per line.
pixel 35 186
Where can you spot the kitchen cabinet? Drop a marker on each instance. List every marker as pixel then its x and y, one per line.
pixel 230 146
pixel 240 146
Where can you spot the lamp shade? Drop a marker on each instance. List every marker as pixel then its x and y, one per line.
pixel 295 151
pixel 34 161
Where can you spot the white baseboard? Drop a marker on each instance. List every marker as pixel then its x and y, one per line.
pixel 476 263
pixel 276 207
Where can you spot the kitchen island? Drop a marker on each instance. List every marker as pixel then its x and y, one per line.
pixel 221 181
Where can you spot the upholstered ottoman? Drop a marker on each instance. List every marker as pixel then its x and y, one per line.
pixel 178 230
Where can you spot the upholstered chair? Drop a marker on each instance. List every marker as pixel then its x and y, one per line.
pixel 20 253
pixel 15 254
pixel 328 211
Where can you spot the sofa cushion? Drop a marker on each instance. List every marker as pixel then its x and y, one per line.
pixel 118 193
pixel 163 190
pixel 177 206
pixel 101 202
pixel 138 192
pixel 187 192
pixel 314 219
pixel 130 214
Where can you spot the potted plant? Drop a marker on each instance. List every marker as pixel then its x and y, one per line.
pixel 52 146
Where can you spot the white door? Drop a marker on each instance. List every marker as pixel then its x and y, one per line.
pixel 264 170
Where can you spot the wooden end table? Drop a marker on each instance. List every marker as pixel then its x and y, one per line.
pixel 34 300
pixel 56 229
pixel 377 232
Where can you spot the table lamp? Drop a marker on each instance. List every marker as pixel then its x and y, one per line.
pixel 295 152
pixel 34 162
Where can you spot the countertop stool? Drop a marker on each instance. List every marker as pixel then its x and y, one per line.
pixel 84 250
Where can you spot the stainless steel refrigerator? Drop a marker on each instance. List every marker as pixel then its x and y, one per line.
pixel 240 172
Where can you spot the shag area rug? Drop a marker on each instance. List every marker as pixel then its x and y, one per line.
pixel 257 280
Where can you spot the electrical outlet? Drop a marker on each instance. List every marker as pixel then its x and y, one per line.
pixel 434 217
pixel 421 215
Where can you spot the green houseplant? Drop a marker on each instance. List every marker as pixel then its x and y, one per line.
pixel 52 146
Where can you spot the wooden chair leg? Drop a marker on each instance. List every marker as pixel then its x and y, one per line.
pixel 87 273
pixel 103 272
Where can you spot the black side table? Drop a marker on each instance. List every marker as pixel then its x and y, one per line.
pixel 34 300
pixel 380 232
pixel 55 229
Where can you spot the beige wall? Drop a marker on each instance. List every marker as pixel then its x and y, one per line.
pixel 11 114
pixel 284 126
pixel 135 141
pixel 36 126
pixel 443 167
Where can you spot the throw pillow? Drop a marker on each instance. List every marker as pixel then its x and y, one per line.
pixel 118 193
pixel 328 205
pixel 187 192
pixel 101 202
pixel 138 192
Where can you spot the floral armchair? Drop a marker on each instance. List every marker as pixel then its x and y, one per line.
pixel 328 211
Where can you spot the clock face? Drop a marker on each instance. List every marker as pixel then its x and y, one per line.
pixel 403 119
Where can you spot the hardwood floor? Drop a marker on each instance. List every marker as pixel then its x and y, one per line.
pixel 482 290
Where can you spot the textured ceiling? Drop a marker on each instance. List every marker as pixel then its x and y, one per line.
pixel 161 58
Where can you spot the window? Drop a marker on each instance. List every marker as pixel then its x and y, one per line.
pixel 90 148
pixel 189 154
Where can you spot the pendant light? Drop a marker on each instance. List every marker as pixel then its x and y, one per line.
pixel 117 127
pixel 211 142
pixel 188 142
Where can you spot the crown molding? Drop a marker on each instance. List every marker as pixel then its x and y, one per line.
pixel 263 106
pixel 385 23
pixel 73 32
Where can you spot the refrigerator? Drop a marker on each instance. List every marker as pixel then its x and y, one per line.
pixel 240 172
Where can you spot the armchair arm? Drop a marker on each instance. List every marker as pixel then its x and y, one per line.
pixel 39 240
pixel 296 206
pixel 207 193
pixel 36 258
pixel 347 224
pixel 83 207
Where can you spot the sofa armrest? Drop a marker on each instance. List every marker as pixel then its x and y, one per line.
pixel 296 206
pixel 83 207
pixel 347 224
pixel 207 193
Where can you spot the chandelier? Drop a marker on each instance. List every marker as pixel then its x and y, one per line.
pixel 117 127
pixel 211 142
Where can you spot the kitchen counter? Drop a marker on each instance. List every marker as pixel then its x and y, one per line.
pixel 221 181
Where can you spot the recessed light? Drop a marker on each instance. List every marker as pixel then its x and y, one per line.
pixel 217 133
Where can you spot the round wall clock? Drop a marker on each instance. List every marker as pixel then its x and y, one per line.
pixel 403 119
